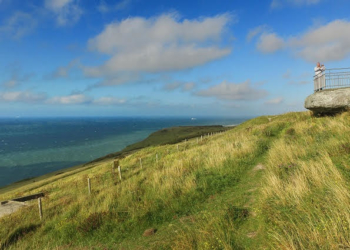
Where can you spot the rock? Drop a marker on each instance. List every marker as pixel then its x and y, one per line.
pixel 150 232
pixel 328 101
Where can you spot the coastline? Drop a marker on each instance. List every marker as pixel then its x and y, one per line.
pixel 164 136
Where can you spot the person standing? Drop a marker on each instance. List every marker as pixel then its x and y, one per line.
pixel 319 78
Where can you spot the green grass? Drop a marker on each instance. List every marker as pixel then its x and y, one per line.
pixel 165 136
pixel 205 194
pixel 175 134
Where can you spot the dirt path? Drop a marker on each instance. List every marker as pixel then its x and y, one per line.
pixel 10 207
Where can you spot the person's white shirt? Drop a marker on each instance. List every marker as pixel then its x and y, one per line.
pixel 319 70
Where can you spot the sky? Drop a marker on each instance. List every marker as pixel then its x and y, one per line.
pixel 193 58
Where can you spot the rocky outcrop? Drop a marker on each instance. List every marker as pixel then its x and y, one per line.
pixel 328 101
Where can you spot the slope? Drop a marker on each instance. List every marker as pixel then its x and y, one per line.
pixel 271 183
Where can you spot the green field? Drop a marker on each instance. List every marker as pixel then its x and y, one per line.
pixel 277 182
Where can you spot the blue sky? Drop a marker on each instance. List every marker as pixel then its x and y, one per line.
pixel 166 58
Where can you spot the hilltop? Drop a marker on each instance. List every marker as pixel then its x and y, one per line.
pixel 276 182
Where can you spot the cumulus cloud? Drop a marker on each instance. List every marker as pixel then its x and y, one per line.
pixel 275 101
pixel 163 43
pixel 330 42
pixel 19 25
pixel 233 91
pixel 70 99
pixel 269 43
pixel 22 96
pixel 66 11
pixel 275 4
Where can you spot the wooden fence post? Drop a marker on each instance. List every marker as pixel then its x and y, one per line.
pixel 120 172
pixel 177 147
pixel 40 209
pixel 115 164
pixel 89 185
pixel 201 137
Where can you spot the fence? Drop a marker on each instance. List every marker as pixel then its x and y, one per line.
pixel 332 78
pixel 99 178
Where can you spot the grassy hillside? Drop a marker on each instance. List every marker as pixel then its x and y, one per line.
pixel 277 182
pixel 164 136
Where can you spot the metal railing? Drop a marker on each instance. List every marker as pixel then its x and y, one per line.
pixel 332 78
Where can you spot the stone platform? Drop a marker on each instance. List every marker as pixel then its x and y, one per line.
pixel 328 101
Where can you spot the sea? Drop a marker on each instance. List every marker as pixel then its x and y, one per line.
pixel 31 147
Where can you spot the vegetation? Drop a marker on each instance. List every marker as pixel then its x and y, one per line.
pixel 165 136
pixel 175 135
pixel 277 182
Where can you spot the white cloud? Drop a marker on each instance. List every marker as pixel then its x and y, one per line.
pixel 233 91
pixel 66 11
pixel 103 7
pixel 19 25
pixel 21 96
pixel 158 59
pixel 163 43
pixel 70 99
pixel 269 43
pixel 275 101
pixel 137 32
pixel 330 42
pixel 275 4
pixel 109 101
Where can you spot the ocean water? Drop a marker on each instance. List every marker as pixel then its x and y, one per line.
pixel 31 147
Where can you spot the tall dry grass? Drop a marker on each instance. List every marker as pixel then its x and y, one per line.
pixel 306 197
